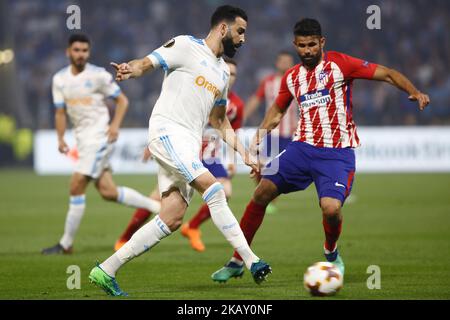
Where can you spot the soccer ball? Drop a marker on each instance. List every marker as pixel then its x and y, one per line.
pixel 323 279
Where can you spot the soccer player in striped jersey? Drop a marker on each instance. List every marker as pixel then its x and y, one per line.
pixel 323 148
pixel 79 91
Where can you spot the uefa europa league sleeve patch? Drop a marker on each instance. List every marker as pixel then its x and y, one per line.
pixel 169 43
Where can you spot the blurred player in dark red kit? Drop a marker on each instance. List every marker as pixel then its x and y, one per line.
pixel 267 91
pixel 323 148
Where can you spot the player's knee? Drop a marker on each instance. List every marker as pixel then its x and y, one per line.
pixel 108 194
pixel 263 195
pixel 331 209
pixel 174 222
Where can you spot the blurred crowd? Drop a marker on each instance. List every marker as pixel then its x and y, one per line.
pixel 413 39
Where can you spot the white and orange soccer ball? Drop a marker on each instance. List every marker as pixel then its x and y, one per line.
pixel 323 279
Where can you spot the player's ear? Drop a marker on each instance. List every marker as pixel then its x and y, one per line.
pixel 68 52
pixel 223 29
pixel 322 42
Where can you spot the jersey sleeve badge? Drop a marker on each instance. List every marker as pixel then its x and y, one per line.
pixel 169 43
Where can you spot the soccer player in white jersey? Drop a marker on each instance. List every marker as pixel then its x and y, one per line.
pixel 194 92
pixel 80 90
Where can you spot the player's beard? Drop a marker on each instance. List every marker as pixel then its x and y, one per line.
pixel 229 47
pixel 311 61
pixel 79 64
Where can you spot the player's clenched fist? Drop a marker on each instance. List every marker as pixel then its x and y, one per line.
pixel 123 71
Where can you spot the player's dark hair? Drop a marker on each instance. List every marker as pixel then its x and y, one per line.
pixel 227 13
pixel 308 27
pixel 230 61
pixel 79 37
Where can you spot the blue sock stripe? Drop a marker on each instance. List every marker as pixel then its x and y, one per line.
pixel 180 166
pixel 121 195
pixel 162 226
pixel 215 188
pixel 77 200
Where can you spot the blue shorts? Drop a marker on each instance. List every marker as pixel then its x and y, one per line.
pixel 332 170
pixel 215 167
pixel 283 142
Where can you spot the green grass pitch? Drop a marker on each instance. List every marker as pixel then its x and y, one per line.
pixel 400 223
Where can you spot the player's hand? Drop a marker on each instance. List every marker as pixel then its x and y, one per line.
pixel 146 155
pixel 123 71
pixel 251 161
pixel 113 134
pixel 63 147
pixel 421 98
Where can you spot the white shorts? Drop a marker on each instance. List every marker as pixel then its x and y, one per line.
pixel 179 162
pixel 93 159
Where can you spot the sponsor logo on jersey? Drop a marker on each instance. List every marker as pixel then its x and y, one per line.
pixel 80 102
pixel 315 98
pixel 202 82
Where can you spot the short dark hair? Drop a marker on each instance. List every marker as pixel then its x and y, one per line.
pixel 308 27
pixel 79 37
pixel 227 13
pixel 230 61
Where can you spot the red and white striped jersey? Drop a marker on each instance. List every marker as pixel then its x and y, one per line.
pixel 268 90
pixel 324 97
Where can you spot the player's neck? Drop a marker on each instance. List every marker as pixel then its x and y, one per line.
pixel 215 44
pixel 77 70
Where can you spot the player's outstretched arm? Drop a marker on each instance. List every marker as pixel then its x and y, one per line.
pixel 397 79
pixel 271 121
pixel 60 125
pixel 133 69
pixel 121 109
pixel 220 122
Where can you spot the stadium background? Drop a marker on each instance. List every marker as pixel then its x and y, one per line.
pixel 413 39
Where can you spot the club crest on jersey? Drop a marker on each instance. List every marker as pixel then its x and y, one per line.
pixel 169 43
pixel 318 98
pixel 323 77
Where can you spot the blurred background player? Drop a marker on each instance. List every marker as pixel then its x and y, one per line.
pixel 267 93
pixel 194 91
pixel 80 90
pixel 211 161
pixel 322 150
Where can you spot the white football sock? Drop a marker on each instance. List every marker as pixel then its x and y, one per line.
pixel 73 219
pixel 133 198
pixel 226 222
pixel 142 240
